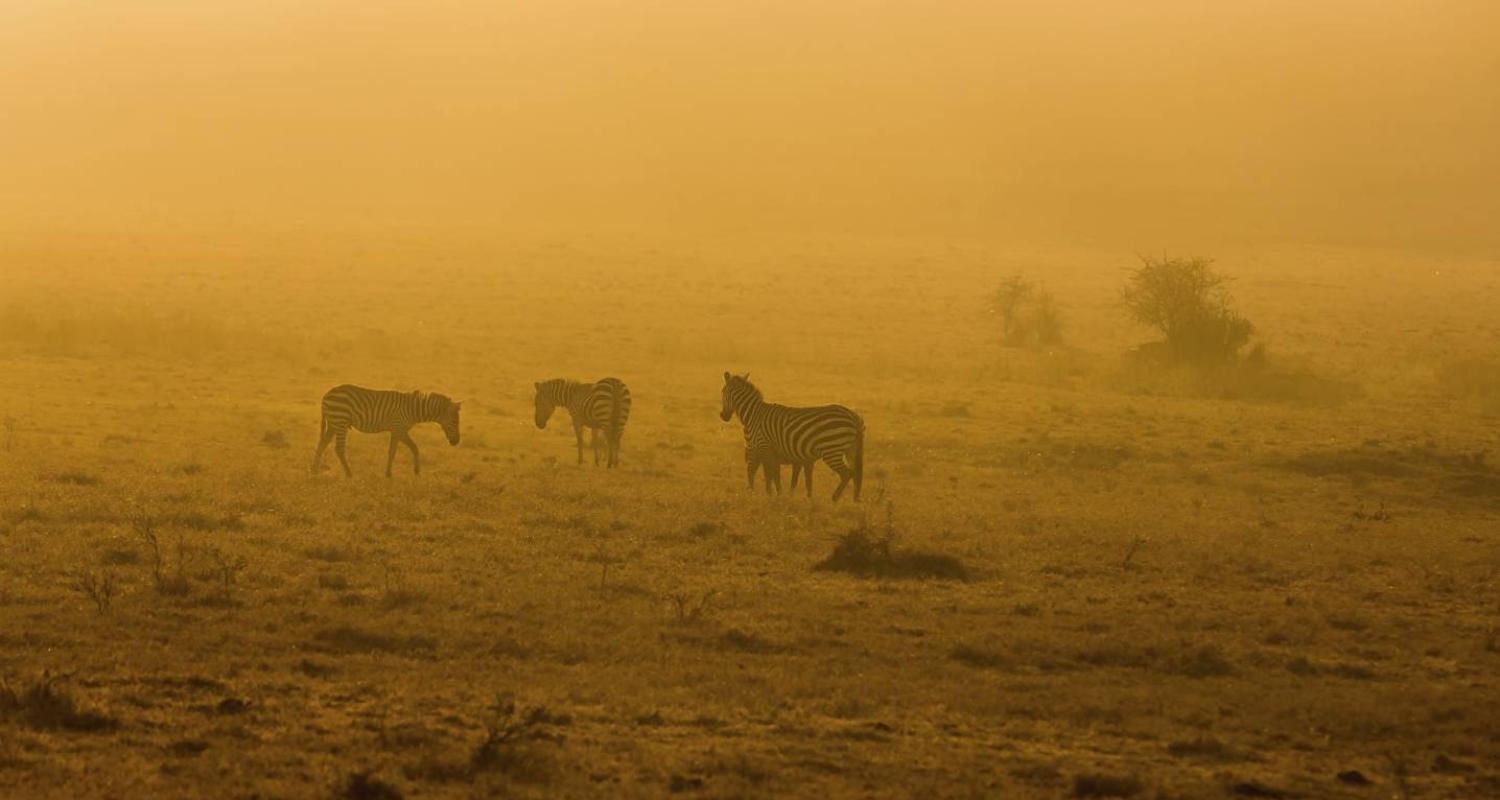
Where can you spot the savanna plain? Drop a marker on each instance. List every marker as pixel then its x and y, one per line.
pixel 1071 572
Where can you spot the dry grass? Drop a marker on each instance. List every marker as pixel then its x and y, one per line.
pixel 1087 587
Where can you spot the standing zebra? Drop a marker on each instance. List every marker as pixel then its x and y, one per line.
pixel 376 411
pixel 601 407
pixel 777 434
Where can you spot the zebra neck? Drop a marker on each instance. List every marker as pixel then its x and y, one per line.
pixel 749 409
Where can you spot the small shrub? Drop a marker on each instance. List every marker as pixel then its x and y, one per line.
pixel 1188 302
pixel 365 786
pixel 979 657
pixel 1029 315
pixel 100 589
pixel 44 706
pixel 347 639
pixel 512 743
pixel 76 478
pixel 866 554
pixel 1095 784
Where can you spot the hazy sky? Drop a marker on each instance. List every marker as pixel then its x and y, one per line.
pixel 1137 122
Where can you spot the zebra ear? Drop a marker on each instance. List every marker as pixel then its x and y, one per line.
pixel 726 377
pixel 538 385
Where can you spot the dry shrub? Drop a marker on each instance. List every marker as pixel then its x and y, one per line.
pixel 1188 302
pixel 348 639
pixel 1029 314
pixel 365 786
pixel 1098 784
pixel 45 706
pixel 867 554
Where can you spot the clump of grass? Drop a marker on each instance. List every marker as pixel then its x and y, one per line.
pixel 365 786
pixel 276 440
pixel 99 588
pixel 348 639
pixel 1098 784
pixel 512 742
pixel 44 706
pixel 120 556
pixel 76 478
pixel 979 657
pixel 1207 661
pixel 866 553
pixel 175 583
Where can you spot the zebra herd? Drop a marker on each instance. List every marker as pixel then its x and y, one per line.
pixel 774 434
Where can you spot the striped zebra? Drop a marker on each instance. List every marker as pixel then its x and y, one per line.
pixel 377 411
pixel 777 434
pixel 602 407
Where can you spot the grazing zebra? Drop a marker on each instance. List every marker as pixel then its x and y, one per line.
pixel 777 434
pixel 376 411
pixel 601 407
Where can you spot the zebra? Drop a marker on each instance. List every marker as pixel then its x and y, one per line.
pixel 378 411
pixel 777 434
pixel 602 407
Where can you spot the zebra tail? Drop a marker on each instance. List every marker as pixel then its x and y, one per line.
pixel 859 461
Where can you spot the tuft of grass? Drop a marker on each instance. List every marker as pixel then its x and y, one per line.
pixel 365 786
pixel 349 639
pixel 864 553
pixel 76 478
pixel 1098 784
pixel 45 707
pixel 276 440
pixel 979 657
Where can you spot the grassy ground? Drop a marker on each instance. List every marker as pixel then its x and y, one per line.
pixel 1287 593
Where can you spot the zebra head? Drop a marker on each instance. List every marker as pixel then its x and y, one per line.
pixel 738 390
pixel 546 400
pixel 448 418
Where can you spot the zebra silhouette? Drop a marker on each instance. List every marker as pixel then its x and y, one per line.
pixel 602 407
pixel 777 434
pixel 378 411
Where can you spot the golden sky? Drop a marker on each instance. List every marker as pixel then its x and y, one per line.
pixel 1138 123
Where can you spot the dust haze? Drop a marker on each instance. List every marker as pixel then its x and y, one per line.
pixel 1143 358
pixel 1133 124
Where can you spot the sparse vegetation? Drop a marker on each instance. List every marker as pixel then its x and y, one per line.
pixel 45 706
pixel 98 588
pixel 866 553
pixel 1029 314
pixel 1156 582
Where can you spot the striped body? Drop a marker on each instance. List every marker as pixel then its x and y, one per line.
pixel 777 434
pixel 602 407
pixel 379 411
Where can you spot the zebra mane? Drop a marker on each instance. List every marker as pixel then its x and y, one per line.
pixel 745 379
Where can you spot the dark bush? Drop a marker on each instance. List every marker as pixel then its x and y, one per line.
pixel 1189 304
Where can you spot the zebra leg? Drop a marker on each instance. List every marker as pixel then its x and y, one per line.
pixel 836 462
pixel 323 440
pixel 416 460
pixel 390 453
pixel 340 444
pixel 773 475
pixel 807 470
pixel 578 435
pixel 594 443
pixel 752 466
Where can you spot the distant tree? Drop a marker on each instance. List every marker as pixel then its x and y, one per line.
pixel 1029 315
pixel 1007 300
pixel 1189 303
